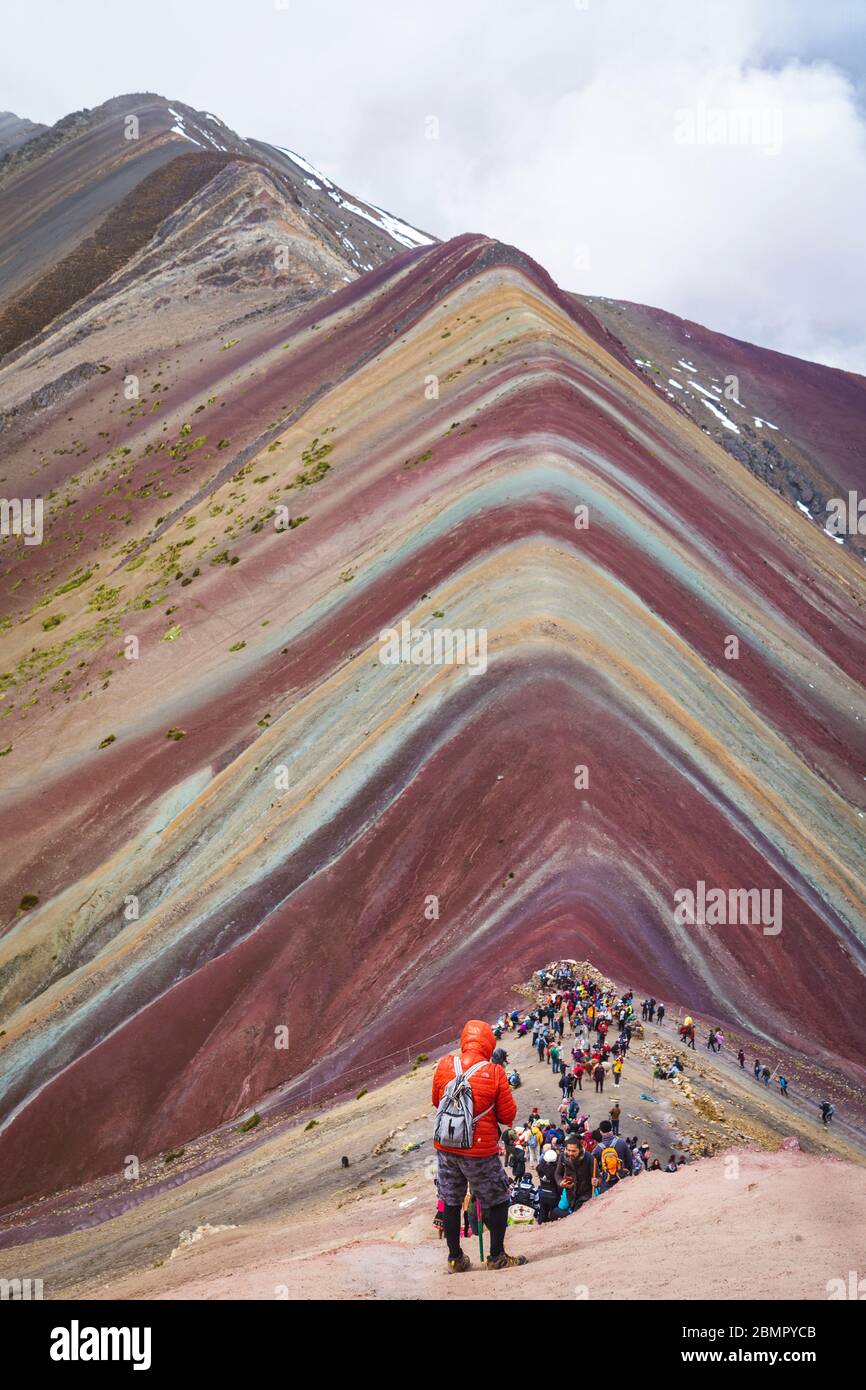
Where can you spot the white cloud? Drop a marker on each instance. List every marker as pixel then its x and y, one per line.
pixel 557 131
pixel 760 240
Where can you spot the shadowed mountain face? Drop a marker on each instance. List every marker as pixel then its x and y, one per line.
pixel 798 426
pixel 80 200
pixel 232 825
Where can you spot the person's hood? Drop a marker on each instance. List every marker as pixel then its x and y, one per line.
pixel 477 1041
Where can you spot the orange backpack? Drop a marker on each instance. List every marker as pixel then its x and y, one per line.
pixel 611 1163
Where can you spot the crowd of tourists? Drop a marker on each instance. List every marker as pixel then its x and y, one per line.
pixel 581 1029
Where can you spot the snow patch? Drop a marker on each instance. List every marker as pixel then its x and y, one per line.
pixel 720 415
pixel 176 130
pixel 400 231
pixel 303 164
pixel 703 390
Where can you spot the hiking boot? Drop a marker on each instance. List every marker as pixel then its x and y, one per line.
pixel 504 1261
pixel 461 1264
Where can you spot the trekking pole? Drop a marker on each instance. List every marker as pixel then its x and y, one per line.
pixel 480 1229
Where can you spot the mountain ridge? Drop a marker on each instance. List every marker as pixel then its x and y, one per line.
pixel 228 814
pixel 259 652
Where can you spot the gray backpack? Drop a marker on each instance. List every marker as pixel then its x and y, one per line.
pixel 455 1114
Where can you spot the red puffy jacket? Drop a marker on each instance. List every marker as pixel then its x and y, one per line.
pixel 489 1088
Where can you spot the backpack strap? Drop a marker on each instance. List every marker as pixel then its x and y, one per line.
pixel 467 1076
pixel 470 1071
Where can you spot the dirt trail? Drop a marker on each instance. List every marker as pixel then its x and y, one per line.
pixel 700 1233
pixel 301 1226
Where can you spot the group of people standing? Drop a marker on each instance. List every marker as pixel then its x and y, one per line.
pixel 570 1159
pixel 599 1027
pixel 580 1029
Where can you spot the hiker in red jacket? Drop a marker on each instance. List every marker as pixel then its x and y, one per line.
pixel 476 1164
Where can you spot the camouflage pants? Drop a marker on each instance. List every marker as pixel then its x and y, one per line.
pixel 485 1178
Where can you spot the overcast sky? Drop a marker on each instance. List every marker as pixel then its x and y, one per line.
pixel 708 156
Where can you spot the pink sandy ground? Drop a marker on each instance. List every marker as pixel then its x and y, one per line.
pixel 781 1225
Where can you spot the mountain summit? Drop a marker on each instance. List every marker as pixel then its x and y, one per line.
pixel 242 223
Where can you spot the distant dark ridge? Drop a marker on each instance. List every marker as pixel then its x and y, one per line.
pixel 51 137
pixel 15 131
pixel 127 228
pixel 46 141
